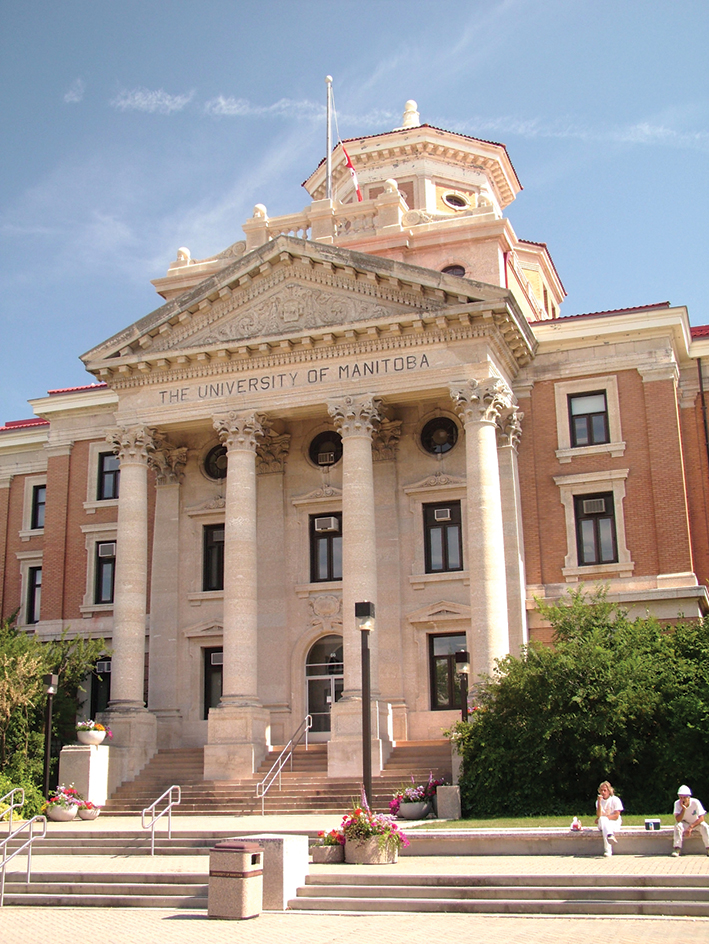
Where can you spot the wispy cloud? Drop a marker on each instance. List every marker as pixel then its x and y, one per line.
pixel 158 101
pixel 284 108
pixel 75 92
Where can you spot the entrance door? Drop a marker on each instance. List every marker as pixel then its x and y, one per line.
pixel 324 679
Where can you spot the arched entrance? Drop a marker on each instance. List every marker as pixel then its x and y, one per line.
pixel 324 680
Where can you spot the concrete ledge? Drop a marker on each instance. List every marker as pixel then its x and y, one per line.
pixel 632 840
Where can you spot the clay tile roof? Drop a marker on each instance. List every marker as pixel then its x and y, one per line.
pixel 700 331
pixel 22 424
pixel 92 386
pixel 614 311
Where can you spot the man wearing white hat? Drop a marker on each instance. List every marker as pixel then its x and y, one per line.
pixel 689 815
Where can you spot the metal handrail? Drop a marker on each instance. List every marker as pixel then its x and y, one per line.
pixel 13 805
pixel 282 759
pixel 25 845
pixel 168 809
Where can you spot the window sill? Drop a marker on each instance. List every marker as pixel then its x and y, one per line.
pixel 622 569
pixel 204 596
pixel 91 506
pixel 616 449
pixel 89 609
pixel 419 581
pixel 31 533
pixel 304 590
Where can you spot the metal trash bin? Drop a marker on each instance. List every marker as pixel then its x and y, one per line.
pixel 235 880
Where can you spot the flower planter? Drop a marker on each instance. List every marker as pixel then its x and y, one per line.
pixel 91 737
pixel 61 814
pixel 89 814
pixel 329 855
pixel 414 810
pixel 370 852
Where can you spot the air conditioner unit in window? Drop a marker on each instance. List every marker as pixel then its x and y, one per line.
pixel 327 524
pixel 107 550
pixel 103 667
pixel 217 658
pixel 326 458
pixel 441 514
pixel 594 506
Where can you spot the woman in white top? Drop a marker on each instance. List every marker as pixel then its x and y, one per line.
pixel 608 809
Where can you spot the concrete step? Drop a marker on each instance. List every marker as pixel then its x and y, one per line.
pixel 110 890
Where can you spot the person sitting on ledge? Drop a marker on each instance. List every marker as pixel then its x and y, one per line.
pixel 608 809
pixel 689 813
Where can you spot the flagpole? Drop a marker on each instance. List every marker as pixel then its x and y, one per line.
pixel 328 159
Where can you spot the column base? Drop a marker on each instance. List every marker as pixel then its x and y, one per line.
pixel 169 728
pixel 344 749
pixel 134 742
pixel 238 739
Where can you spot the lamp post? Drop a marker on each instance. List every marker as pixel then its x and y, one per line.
pixel 462 667
pixel 51 683
pixel 364 615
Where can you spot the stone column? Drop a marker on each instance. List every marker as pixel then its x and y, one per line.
pixel 356 418
pixel 167 463
pixel 479 404
pixel 509 433
pixel 238 728
pixel 133 727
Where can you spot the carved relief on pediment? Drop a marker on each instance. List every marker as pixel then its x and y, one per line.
pixel 288 307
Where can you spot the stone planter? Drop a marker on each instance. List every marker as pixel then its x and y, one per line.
pixel 414 810
pixel 89 814
pixel 61 814
pixel 91 737
pixel 370 852
pixel 329 855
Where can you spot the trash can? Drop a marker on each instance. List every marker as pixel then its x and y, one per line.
pixel 235 880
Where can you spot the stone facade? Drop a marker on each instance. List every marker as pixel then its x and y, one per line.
pixel 373 401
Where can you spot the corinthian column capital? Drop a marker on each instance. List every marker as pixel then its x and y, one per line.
pixel 167 461
pixel 132 443
pixel 355 415
pixel 240 430
pixel 480 401
pixel 509 427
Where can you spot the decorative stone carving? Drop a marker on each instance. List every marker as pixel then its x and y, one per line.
pixel 272 451
pixel 132 443
pixel 327 612
pixel 509 430
pixel 356 415
pixel 167 461
pixel 386 439
pixel 239 430
pixel 481 401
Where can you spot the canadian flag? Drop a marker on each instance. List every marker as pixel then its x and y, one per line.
pixel 353 172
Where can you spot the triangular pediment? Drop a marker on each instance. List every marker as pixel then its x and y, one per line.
pixel 440 612
pixel 281 292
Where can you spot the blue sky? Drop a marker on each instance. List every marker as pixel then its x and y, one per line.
pixel 133 128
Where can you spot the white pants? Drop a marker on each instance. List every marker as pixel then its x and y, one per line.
pixel 607 828
pixel 680 830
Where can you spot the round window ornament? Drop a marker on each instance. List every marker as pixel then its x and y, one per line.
pixel 456 200
pixel 326 449
pixel 439 435
pixel 457 270
pixel 215 463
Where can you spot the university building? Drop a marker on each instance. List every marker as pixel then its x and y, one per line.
pixel 365 401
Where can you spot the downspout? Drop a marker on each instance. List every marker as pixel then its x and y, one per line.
pixel 505 254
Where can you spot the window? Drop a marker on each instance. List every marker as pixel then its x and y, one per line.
pixel 213 677
pixel 326 449
pixel 439 435
pixel 39 498
pixel 445 685
pixel 213 557
pixel 215 463
pixel 34 594
pixel 105 571
pixel 595 529
pixel 100 686
pixel 108 476
pixel 588 419
pixel 458 270
pixel 443 537
pixel 326 547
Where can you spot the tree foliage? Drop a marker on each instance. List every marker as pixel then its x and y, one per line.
pixel 618 699
pixel 24 661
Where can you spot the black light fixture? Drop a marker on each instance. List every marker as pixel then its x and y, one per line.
pixel 51 684
pixel 462 667
pixel 364 615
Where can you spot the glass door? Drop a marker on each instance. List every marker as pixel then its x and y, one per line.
pixel 325 682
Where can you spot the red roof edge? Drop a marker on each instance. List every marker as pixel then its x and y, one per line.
pixel 22 424
pixel 93 386
pixel 614 311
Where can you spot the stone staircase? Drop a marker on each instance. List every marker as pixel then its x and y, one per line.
pixel 304 789
pixel 110 890
pixel 634 895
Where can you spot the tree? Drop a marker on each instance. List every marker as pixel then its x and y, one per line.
pixel 618 699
